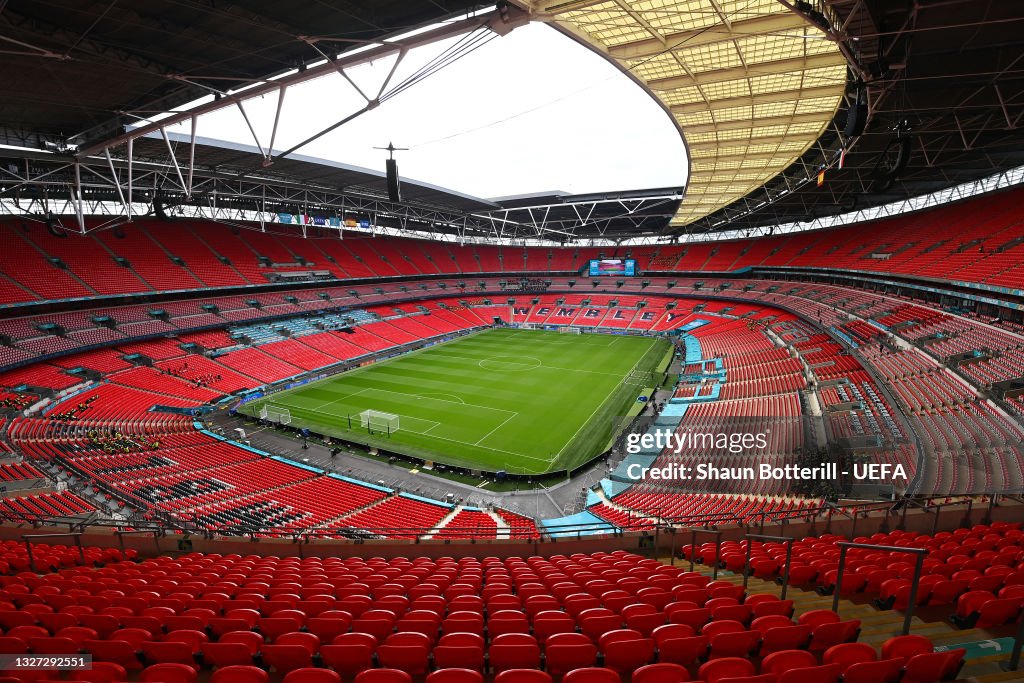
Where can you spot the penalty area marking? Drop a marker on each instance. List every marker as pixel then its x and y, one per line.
pixel 437 395
pixel 516 363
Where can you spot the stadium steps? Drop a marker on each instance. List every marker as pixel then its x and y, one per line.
pixel 218 256
pixel 503 528
pixel 22 287
pixel 130 268
pixel 70 273
pixel 161 247
pixel 443 523
pixel 241 498
pixel 877 626
pixel 240 372
pixel 336 521
pixel 113 380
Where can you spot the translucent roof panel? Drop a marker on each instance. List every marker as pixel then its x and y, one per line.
pixel 751 84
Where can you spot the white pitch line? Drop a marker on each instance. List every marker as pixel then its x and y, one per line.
pixel 589 419
pixel 488 448
pixel 548 367
pixel 463 403
pixel 495 429
pixel 324 405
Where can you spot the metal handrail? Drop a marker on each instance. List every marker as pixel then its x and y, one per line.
pixel 918 566
pixel 789 558
pixel 29 538
pixel 693 547
pixel 1018 642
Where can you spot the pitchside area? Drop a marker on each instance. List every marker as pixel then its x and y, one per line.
pixel 524 401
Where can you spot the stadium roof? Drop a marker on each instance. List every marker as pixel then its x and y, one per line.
pixel 944 81
pixel 751 84
pixel 759 89
pixel 233 159
pixel 80 70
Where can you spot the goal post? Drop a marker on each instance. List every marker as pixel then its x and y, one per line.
pixel 272 413
pixel 569 329
pixel 379 421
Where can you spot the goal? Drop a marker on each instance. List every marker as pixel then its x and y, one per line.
pixel 379 421
pixel 277 414
pixel 569 329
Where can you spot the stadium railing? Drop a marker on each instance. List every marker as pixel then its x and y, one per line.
pixel 165 525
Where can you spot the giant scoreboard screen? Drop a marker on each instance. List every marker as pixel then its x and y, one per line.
pixel 612 267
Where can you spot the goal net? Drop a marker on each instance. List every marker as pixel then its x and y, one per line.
pixel 568 329
pixel 276 414
pixel 379 421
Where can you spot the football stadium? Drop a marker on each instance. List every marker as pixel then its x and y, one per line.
pixel 528 341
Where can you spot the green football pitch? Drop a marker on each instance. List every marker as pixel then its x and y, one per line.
pixel 524 401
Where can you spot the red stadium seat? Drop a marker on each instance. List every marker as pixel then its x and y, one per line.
pixel 219 655
pixel 905 647
pixel 817 617
pixel 455 675
pixel 312 676
pixel 168 652
pixel 116 651
pixel 591 675
pixel 735 644
pixel 459 651
pixel 828 673
pixel 523 676
pixel 383 676
pixel 53 646
pixel 848 654
pixel 562 659
pixel 412 659
pixel 779 662
pixel 348 658
pixel 286 658
pixel 684 651
pixel 661 673
pixel 514 651
pixel 102 672
pixel 169 673
pixel 933 667
pixel 716 670
pixel 884 671
pixel 625 656
pixel 825 636
pixel 240 674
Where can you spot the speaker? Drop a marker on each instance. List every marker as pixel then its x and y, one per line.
pixel 54 227
pixel 158 209
pixel 857 114
pixel 902 156
pixel 394 186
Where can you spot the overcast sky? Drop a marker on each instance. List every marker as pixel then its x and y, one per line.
pixel 529 112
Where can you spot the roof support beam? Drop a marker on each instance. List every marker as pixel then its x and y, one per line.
pixel 750 156
pixel 783 21
pixel 737 72
pixel 364 56
pixel 763 140
pixel 745 124
pixel 763 98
